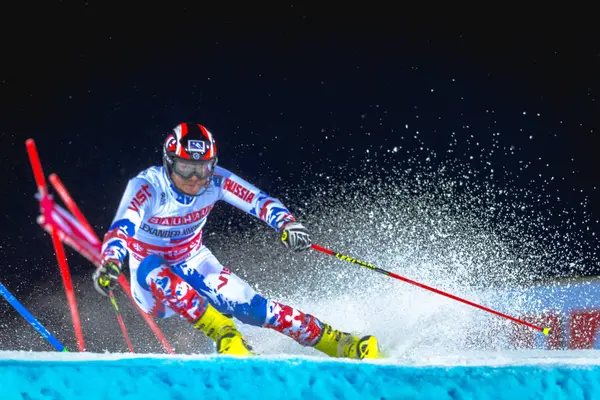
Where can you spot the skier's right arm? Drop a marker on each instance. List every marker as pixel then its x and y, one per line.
pixel 137 199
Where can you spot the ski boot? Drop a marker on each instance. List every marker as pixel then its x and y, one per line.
pixel 222 330
pixel 341 344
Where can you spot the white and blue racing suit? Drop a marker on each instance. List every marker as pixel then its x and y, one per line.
pixel 156 224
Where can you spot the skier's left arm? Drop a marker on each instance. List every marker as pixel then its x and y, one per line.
pixel 248 198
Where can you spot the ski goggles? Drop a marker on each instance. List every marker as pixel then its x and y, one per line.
pixel 187 168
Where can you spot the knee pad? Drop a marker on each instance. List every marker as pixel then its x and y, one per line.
pixel 149 264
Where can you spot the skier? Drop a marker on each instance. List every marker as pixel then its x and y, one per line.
pixel 159 224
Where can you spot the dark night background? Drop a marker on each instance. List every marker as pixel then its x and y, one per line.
pixel 282 95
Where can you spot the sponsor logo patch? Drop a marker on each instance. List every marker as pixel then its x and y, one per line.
pixel 198 146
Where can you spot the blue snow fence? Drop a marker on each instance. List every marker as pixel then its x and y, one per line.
pixel 288 378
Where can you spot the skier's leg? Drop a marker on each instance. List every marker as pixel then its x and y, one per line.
pixel 161 292
pixel 143 296
pixel 232 295
pixel 310 331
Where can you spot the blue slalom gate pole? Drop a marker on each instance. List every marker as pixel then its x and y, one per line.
pixel 12 300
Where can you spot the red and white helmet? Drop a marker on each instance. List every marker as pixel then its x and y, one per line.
pixel 190 150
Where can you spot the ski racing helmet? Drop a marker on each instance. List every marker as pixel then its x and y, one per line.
pixel 190 150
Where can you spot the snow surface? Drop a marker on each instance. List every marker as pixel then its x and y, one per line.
pixel 479 375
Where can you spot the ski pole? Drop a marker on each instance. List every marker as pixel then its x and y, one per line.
pixel 12 300
pixel 545 331
pixel 120 319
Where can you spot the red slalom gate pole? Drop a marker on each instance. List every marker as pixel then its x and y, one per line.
pixel 92 253
pixel 76 232
pixel 38 173
pixel 90 236
pixel 91 250
pixel 545 331
pixel 71 206
pixel 66 276
pixel 46 205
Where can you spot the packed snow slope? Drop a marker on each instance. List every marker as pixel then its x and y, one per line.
pixel 502 375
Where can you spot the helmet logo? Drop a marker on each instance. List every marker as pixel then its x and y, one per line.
pixel 196 146
pixel 171 144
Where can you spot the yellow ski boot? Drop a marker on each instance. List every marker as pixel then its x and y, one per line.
pixel 341 344
pixel 223 331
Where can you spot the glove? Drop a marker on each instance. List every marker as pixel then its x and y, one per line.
pixel 295 236
pixel 106 277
